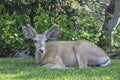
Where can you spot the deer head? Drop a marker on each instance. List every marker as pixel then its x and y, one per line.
pixel 39 39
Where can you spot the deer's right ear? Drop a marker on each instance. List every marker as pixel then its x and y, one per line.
pixel 28 31
pixel 54 33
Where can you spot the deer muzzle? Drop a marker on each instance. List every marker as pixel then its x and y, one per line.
pixel 42 50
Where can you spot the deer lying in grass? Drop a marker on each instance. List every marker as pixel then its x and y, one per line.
pixel 80 53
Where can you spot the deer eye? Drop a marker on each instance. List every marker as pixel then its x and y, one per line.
pixel 35 41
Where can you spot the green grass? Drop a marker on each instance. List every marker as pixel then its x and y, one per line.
pixel 25 69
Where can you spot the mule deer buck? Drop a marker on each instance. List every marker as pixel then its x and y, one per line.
pixel 80 53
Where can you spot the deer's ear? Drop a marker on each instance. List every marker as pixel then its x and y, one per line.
pixel 28 31
pixel 54 33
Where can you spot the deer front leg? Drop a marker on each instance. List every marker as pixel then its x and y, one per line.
pixel 50 65
pixel 55 63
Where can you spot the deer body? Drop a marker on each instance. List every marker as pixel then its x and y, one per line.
pixel 80 53
pixel 73 53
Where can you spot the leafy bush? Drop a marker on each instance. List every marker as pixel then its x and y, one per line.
pixel 77 24
pixel 11 36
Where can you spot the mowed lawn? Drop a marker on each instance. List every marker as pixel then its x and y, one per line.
pixel 26 69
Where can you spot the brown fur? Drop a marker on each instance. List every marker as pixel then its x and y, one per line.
pixel 63 53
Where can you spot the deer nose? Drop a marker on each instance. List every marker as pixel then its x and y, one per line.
pixel 42 50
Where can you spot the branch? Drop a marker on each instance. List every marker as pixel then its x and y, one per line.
pixel 116 19
pixel 104 6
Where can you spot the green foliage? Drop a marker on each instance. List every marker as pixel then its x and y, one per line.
pixel 25 69
pixel 76 23
pixel 11 36
pixel 116 38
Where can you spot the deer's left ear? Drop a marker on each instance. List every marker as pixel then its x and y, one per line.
pixel 28 31
pixel 54 33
